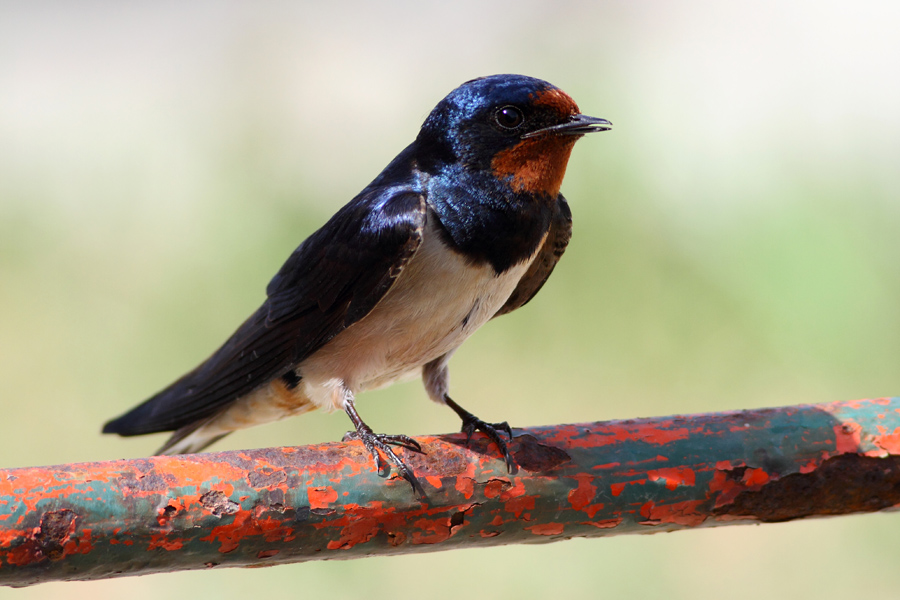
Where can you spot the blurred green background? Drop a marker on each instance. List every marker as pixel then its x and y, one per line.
pixel 736 245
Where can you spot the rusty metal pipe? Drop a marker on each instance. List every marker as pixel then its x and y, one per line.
pixel 282 505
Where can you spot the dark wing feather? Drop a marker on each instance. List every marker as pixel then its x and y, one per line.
pixel 331 281
pixel 557 239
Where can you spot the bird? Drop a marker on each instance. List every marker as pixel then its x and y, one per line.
pixel 464 225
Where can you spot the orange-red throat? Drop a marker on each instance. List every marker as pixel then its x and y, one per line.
pixel 535 165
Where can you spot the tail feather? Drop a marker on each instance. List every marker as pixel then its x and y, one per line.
pixel 146 418
pixel 271 403
pixel 251 358
pixel 279 399
pixel 190 439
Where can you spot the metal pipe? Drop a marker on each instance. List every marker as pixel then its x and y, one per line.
pixel 282 505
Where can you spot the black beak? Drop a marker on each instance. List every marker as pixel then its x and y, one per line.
pixel 576 125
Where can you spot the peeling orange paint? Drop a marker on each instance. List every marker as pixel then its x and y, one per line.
pixel 516 490
pixel 321 497
pixel 360 523
pixel 604 524
pixel 494 488
pixel 809 466
pixel 517 506
pixel 652 434
pixel 846 437
pixel 658 432
pixel 465 486
pixel 581 496
pixel 432 531
pixel 673 476
pixel 890 442
pixel 593 509
pixel 755 477
pixel 160 541
pixel 353 534
pixel 681 513
pixel 611 465
pixel 724 487
pixel 247 523
pixel 547 529
pixel 22 556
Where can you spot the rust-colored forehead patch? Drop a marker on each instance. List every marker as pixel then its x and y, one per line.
pixel 557 99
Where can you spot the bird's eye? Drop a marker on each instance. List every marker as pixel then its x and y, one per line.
pixel 509 117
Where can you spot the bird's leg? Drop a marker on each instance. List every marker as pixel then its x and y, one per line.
pixel 471 424
pixel 379 441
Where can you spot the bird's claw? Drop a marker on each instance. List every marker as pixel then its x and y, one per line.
pixel 493 431
pixel 471 424
pixel 378 443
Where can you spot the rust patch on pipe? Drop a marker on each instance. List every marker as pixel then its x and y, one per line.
pixel 442 459
pixel 842 484
pixel 56 527
pixel 263 478
pixel 219 504
pixel 151 482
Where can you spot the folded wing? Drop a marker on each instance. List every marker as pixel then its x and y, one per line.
pixel 328 283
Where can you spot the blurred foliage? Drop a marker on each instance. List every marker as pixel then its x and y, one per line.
pixel 735 245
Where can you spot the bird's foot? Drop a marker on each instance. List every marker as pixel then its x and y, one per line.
pixel 379 443
pixel 471 424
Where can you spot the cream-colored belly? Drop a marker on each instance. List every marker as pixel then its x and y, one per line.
pixel 436 303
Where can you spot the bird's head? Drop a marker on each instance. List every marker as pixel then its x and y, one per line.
pixel 519 129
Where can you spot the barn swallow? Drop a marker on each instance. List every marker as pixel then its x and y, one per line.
pixel 464 225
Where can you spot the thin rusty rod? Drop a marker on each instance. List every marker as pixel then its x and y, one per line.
pixel 283 505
